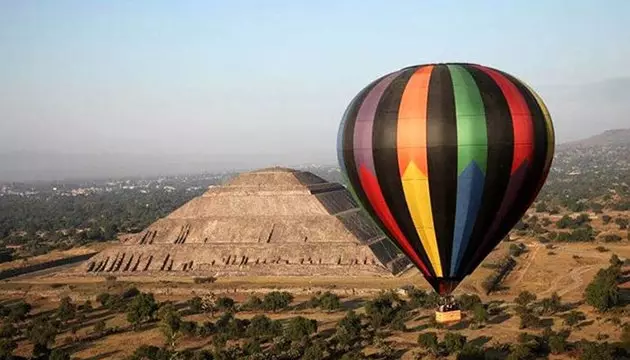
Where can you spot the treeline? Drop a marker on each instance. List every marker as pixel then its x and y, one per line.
pixel 41 224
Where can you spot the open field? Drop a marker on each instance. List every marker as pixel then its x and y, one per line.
pixel 566 269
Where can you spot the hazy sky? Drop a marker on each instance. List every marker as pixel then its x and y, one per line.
pixel 274 77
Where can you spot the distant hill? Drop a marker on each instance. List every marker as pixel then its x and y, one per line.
pixel 607 138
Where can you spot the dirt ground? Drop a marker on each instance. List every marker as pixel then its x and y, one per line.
pixel 565 269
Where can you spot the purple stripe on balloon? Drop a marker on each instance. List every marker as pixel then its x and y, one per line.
pixel 511 193
pixel 365 122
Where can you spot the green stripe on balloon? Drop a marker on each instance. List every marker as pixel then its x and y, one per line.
pixel 472 135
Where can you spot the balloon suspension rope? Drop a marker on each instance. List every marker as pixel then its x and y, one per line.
pixel 447 303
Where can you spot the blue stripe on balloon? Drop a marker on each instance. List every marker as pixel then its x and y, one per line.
pixel 469 192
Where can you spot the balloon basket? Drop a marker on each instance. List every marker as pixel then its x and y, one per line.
pixel 448 312
pixel 448 317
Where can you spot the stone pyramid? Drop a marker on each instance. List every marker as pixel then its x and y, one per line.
pixel 269 222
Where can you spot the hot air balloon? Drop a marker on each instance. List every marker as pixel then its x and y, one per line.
pixel 446 158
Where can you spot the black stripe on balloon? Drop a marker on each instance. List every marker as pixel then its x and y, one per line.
pixel 500 153
pixel 534 176
pixel 347 148
pixel 442 160
pixel 385 153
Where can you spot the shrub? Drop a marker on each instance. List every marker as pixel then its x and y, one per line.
pixel 276 300
pixel 429 341
pixel 261 327
pixel 253 303
pixel 383 309
pixel 18 311
pixel 204 280
pixel 622 223
pixel 99 326
pixel 300 327
pixel 329 301
pixel 494 279
pixel 557 342
pixel 454 342
pixel 603 292
pixel 225 303
pixel 601 249
pixel 314 351
pixel 611 238
pixel 67 310
pixel 130 293
pixel 480 314
pixel 195 305
pixel 574 317
pixel 141 309
pixel 348 329
pixel 103 299
pixel 524 298
pixel 468 302
pixel 551 305
pixel 528 320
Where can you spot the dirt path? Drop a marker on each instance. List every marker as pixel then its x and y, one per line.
pixel 529 261
pixel 576 277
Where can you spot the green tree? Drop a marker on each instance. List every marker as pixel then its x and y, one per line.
pixel 574 317
pixel 300 327
pixel 348 329
pixel 429 341
pixel 557 341
pixel 262 327
pixel 329 301
pixel 253 303
pixel 103 299
pixel 528 320
pixel 170 323
pixel 603 292
pixel 595 351
pixel 7 347
pixel 59 354
pixel 468 302
pixel 454 342
pixel 141 309
pixel 225 303
pixel 67 310
pixel 99 326
pixel 276 300
pixel 19 311
pixel 41 333
pixel 524 298
pixel 8 330
pixel 551 305
pixel 195 305
pixel 87 307
pixel 315 351
pixel 480 314
pixel 383 309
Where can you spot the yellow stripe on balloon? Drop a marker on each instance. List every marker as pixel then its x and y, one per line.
pixel 416 187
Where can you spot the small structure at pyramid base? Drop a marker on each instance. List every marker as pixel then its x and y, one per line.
pixel 270 222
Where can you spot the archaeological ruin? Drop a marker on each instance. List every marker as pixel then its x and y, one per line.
pixel 269 222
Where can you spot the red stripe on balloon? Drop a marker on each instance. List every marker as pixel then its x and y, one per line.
pixel 522 123
pixel 372 189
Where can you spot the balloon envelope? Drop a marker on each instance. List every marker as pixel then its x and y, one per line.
pixel 446 158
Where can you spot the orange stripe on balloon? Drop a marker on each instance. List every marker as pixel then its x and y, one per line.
pixel 412 122
pixel 522 123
